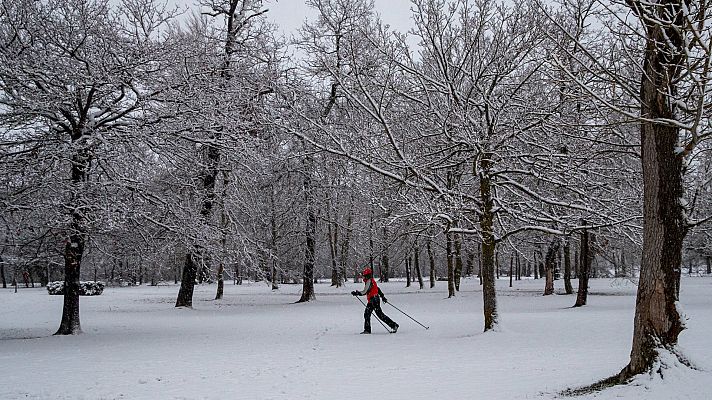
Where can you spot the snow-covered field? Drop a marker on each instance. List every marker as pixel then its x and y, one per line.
pixel 256 344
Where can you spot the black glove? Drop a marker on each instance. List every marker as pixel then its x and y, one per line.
pixel 385 300
pixel 355 293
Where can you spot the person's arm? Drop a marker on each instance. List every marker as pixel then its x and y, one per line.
pixel 383 296
pixel 365 290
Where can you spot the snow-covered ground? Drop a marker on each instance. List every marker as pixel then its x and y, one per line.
pixel 256 344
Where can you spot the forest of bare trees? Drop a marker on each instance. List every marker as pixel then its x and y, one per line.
pixel 142 143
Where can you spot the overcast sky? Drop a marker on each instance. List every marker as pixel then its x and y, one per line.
pixel 290 14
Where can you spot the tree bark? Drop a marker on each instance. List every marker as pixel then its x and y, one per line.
pixel 457 240
pixel 511 269
pixel 385 271
pixel 418 273
pixel 450 264
pixel 407 270
pixel 432 263
pixel 489 293
pixel 550 264
pixel 4 281
pixel 708 258
pixel 310 234
pixel 187 283
pixel 470 266
pixel 345 243
pixel 657 322
pixel 74 247
pixel 584 268
pixel 333 233
pixel 221 282
pixel 567 267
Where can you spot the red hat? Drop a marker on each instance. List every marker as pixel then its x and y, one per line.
pixel 367 271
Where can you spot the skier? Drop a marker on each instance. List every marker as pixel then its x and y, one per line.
pixel 373 295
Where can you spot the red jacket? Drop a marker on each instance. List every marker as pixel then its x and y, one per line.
pixel 371 289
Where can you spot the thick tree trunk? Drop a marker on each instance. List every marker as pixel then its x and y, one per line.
pixel 191 269
pixel 187 283
pixel 550 264
pixel 567 267
pixel 432 263
pixel 489 293
pixel 584 267
pixel 74 248
pixel 658 322
pixel 310 234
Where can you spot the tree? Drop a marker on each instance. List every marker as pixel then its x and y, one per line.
pixel 73 81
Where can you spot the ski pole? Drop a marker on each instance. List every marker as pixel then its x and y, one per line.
pixel 416 321
pixel 379 320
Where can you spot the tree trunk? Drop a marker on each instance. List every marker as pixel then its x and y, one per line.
pixel 74 247
pixel 385 271
pixel 584 268
pixel 345 243
pixel 567 267
pixel 432 263
pixel 450 264
pixel 4 281
pixel 310 234
pixel 418 273
pixel 551 256
pixel 511 271
pixel 489 293
pixel 479 262
pixel 657 322
pixel 708 258
pixel 407 270
pixel 470 266
pixel 371 257
pixel 221 282
pixel 535 267
pixel 333 233
pixel 576 263
pixel 187 283
pixel 194 256
pixel 457 240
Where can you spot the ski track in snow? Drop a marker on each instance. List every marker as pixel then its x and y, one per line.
pixel 257 344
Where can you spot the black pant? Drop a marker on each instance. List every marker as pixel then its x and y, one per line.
pixel 375 305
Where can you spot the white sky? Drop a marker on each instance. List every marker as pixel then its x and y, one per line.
pixel 291 14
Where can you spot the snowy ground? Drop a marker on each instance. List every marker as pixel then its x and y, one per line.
pixel 256 344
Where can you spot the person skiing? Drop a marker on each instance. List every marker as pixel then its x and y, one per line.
pixel 374 295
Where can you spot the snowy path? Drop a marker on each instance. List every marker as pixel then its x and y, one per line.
pixel 255 344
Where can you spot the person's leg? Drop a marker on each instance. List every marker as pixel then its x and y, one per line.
pixel 382 316
pixel 367 318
